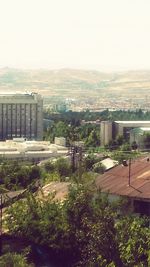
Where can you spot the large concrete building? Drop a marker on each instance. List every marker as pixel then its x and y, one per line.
pixel 110 130
pixel 106 132
pixel 21 115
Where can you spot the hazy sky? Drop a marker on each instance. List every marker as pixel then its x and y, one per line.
pixel 89 34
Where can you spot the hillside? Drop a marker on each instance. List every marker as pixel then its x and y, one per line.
pixel 79 83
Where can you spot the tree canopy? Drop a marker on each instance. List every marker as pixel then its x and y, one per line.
pixel 84 230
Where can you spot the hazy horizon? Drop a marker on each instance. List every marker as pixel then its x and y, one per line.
pixel 102 70
pixel 98 35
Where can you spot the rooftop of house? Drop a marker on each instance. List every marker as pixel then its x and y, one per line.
pixel 109 163
pixel 116 180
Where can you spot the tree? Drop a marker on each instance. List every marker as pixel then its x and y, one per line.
pixel 61 129
pixel 99 167
pixel 113 145
pixel 93 139
pixel 17 175
pixel 133 236
pixel 92 228
pixel 49 166
pixel 126 147
pixel 39 220
pixel 89 161
pixel 14 260
pixel 134 145
pixel 120 140
pixel 85 229
pixel 63 167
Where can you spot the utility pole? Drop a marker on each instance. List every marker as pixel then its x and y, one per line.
pixel 73 160
pixel 129 176
pixel 80 162
pixel 76 159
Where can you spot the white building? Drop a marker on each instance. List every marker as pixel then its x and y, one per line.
pixel 30 150
pixel 21 115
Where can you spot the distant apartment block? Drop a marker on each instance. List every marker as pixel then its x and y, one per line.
pixel 21 115
pixel 110 130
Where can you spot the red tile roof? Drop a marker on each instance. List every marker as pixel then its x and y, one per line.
pixel 116 180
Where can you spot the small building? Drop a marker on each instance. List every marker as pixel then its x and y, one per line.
pixel 131 182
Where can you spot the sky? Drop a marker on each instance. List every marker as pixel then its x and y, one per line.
pixel 85 34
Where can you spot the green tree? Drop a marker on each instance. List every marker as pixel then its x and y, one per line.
pixel 89 161
pixel 85 229
pixel 92 228
pixel 49 166
pixel 99 167
pixel 93 139
pixel 133 236
pixel 63 167
pixel 126 147
pixel 134 145
pixel 61 129
pixel 120 140
pixel 39 220
pixel 17 175
pixel 14 260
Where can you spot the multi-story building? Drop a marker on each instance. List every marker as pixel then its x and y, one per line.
pixel 21 115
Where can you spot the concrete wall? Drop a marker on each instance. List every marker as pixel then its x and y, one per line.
pixel 105 132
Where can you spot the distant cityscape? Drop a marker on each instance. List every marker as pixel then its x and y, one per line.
pixel 79 90
pixel 98 103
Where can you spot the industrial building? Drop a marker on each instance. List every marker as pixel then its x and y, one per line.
pixel 110 130
pixel 21 115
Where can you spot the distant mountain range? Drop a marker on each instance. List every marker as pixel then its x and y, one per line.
pixel 71 82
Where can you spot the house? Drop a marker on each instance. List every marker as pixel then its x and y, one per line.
pixel 131 181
